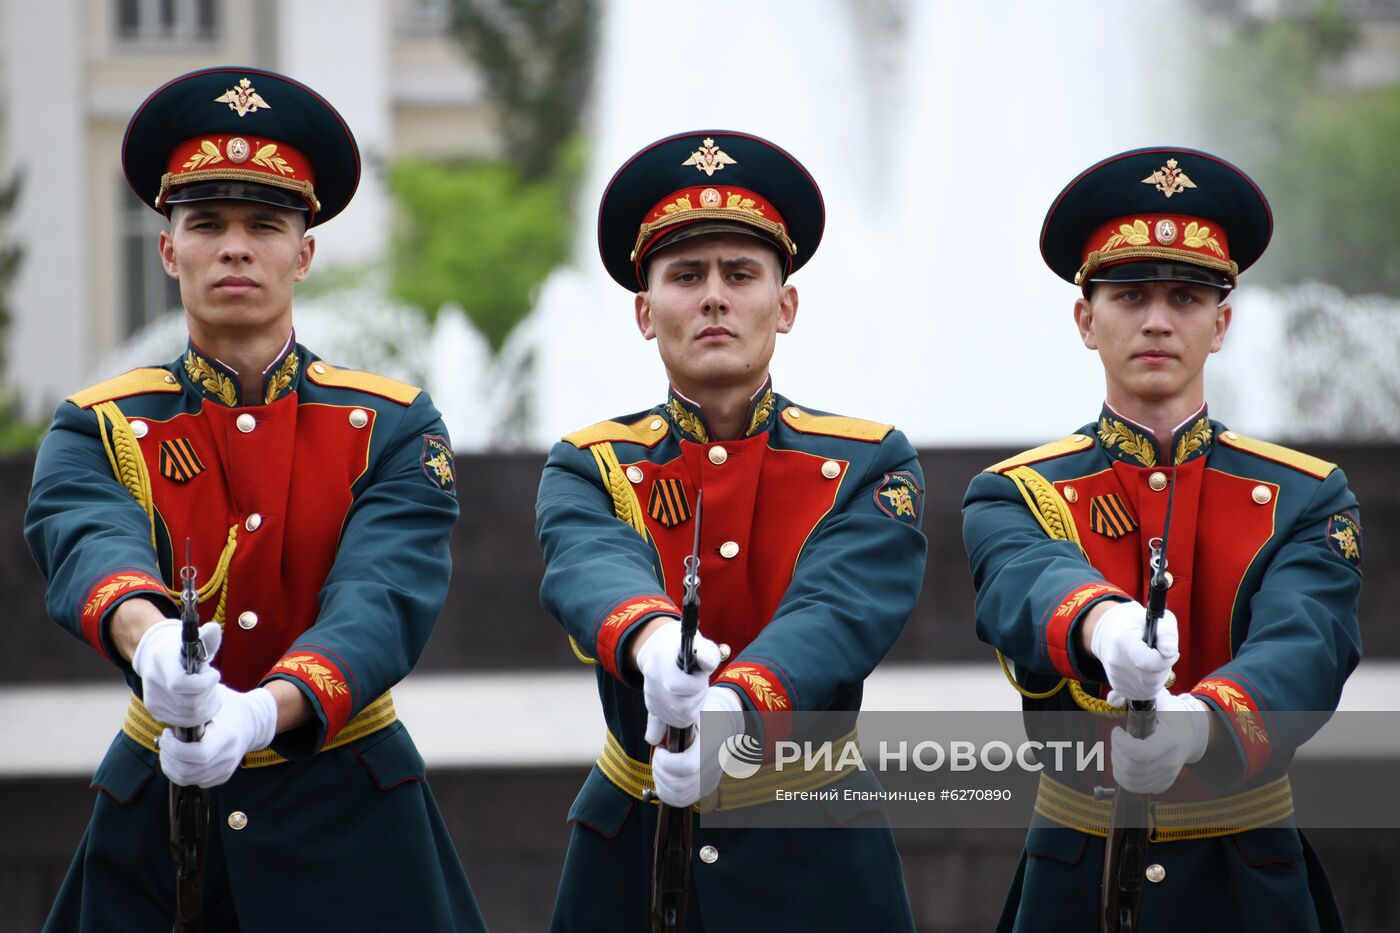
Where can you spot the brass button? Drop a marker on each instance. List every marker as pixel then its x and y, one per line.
pixel 1071 495
pixel 718 455
pixel 729 549
pixel 318 369
pixel 1230 436
pixel 634 473
pixel 1155 873
pixel 656 424
pixel 1079 438
pixel 247 620
pixel 253 522
pixel 359 418
pixel 709 854
pixel 724 651
pixel 169 379
pixel 245 422
pixel 794 412
pixel 140 429
pixel 831 469
pixel 1157 480
pixel 237 819
pixel 1171 679
pixel 1262 494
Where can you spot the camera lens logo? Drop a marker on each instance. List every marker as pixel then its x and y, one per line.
pixel 741 756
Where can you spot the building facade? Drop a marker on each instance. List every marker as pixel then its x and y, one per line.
pixel 73 71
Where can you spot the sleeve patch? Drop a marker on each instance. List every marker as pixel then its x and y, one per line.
pixel 900 497
pixel 437 463
pixel 1344 537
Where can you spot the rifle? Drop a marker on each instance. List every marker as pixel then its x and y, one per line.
pixel 1125 851
pixel 189 806
pixel 670 868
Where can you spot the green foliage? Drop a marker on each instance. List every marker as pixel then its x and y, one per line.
pixel 480 235
pixel 537 58
pixel 17 434
pixel 10 255
pixel 1323 152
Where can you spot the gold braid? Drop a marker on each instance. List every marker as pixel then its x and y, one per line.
pixel 124 453
pixel 626 506
pixel 129 467
pixel 1054 516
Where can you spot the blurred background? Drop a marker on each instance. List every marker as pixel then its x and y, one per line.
pixel 939 131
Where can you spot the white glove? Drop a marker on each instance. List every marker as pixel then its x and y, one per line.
pixel 1151 765
pixel 673 697
pixel 676 775
pixel 681 778
pixel 169 693
pixel 1134 670
pixel 246 722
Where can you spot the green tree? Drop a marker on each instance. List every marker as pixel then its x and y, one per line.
pixel 16 433
pixel 481 236
pixel 537 59
pixel 10 256
pixel 1275 101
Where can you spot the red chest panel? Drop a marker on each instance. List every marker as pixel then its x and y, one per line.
pixel 760 506
pixel 284 487
pixel 1218 527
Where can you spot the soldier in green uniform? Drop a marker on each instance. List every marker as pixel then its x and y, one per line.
pixel 1264 546
pixel 811 553
pixel 316 505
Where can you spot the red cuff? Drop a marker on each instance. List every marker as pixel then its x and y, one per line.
pixel 105 594
pixel 1058 626
pixel 621 620
pixel 324 679
pixel 1250 734
pixel 766 693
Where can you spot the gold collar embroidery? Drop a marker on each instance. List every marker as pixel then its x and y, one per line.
pixel 210 379
pixel 282 380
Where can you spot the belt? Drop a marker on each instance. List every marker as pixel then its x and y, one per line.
pixel 1167 821
pixel 144 729
pixel 634 777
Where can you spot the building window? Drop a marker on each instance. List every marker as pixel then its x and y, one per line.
pixel 147 292
pixel 425 17
pixel 168 20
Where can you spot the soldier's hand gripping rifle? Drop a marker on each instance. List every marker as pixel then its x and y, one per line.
pixel 1125 851
pixel 670 868
pixel 189 806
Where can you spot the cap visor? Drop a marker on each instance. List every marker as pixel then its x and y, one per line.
pixel 235 191
pixel 1161 272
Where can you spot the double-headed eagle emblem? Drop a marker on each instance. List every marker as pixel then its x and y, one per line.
pixel 243 99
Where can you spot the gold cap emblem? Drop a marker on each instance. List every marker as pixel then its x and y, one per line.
pixel 243 99
pixel 238 150
pixel 1165 232
pixel 709 158
pixel 1169 179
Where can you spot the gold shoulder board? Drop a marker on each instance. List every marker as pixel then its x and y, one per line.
pixel 647 431
pixel 1305 463
pixel 324 374
pixel 856 429
pixel 1068 445
pixel 137 382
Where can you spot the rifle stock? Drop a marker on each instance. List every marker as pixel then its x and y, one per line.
pixel 670 867
pixel 1125 849
pixel 189 806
